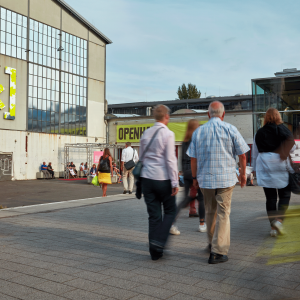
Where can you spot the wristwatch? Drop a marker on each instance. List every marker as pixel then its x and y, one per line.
pixel 194 178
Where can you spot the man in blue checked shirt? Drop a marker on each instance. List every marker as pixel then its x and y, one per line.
pixel 213 153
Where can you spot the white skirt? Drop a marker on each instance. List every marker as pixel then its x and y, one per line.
pixel 271 171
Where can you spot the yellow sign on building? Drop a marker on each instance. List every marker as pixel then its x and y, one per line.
pixel 133 133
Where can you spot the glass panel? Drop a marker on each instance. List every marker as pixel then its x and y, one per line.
pixel 282 93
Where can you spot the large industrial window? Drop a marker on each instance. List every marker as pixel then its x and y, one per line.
pixel 43 99
pixel 73 104
pixel 44 43
pixel 13 34
pixel 73 54
pixel 57 87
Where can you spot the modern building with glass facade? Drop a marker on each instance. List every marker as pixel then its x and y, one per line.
pixel 52 83
pixel 281 92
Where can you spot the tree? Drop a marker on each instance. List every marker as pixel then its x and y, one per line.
pixel 189 92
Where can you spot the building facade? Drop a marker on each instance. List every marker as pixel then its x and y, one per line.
pixel 231 103
pixel 52 84
pixel 125 128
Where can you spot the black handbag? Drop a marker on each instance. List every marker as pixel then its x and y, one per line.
pixel 294 181
pixel 130 164
pixel 139 166
pixel 104 165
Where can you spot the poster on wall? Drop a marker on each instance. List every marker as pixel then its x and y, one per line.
pixel 97 155
pixel 295 155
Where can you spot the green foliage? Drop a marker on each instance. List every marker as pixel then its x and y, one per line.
pixel 189 92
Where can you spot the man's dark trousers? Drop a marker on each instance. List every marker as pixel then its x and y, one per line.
pixel 157 193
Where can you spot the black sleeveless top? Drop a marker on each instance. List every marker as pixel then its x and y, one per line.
pixel 104 165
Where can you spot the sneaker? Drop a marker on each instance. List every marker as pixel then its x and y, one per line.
pixel 273 233
pixel 202 228
pixel 124 192
pixel 278 225
pixel 174 230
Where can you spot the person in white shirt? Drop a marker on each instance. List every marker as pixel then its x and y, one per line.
pixel 159 179
pixel 82 168
pixel 128 154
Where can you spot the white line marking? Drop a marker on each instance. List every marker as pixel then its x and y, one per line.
pixel 51 203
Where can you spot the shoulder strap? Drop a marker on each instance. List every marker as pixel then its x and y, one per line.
pixel 132 153
pixel 153 137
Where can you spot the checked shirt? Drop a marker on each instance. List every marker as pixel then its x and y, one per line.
pixel 215 145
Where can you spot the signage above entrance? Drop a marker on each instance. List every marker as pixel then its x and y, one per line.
pixel 133 133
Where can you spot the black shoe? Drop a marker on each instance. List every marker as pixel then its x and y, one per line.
pixel 215 258
pixel 156 257
pixel 193 215
pixel 124 192
pixel 129 192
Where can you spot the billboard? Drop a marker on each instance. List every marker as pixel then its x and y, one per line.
pixel 133 133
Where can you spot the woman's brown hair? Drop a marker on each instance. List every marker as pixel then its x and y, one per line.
pixel 106 152
pixel 193 124
pixel 272 116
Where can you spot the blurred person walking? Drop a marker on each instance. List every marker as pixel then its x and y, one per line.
pixel 105 170
pixel 213 151
pixel 159 179
pixel 129 158
pixel 190 192
pixel 270 159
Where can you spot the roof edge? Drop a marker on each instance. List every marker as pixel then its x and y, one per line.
pixel 166 102
pixel 83 20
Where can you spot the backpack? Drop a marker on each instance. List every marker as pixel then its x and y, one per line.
pixel 104 165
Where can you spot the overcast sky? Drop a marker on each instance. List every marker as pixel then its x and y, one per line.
pixel 217 45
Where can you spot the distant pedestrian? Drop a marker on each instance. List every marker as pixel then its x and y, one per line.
pixel 190 192
pixel 50 170
pixel 44 169
pixel 270 159
pixel 105 170
pixel 128 155
pixel 213 153
pixel 93 171
pixel 159 179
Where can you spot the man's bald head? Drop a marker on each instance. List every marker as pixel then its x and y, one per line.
pixel 216 109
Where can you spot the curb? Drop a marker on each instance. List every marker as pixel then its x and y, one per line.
pixel 53 206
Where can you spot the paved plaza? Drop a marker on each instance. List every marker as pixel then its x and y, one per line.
pixel 98 249
pixel 31 192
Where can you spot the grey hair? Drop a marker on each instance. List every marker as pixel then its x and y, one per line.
pixel 160 111
pixel 216 112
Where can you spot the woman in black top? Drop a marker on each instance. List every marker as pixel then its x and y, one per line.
pixel 193 124
pixel 105 170
pixel 270 153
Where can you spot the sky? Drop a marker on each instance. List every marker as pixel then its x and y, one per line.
pixel 217 45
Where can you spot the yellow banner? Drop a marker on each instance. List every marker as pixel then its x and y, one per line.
pixel 133 133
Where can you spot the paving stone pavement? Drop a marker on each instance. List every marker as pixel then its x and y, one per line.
pixel 101 252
